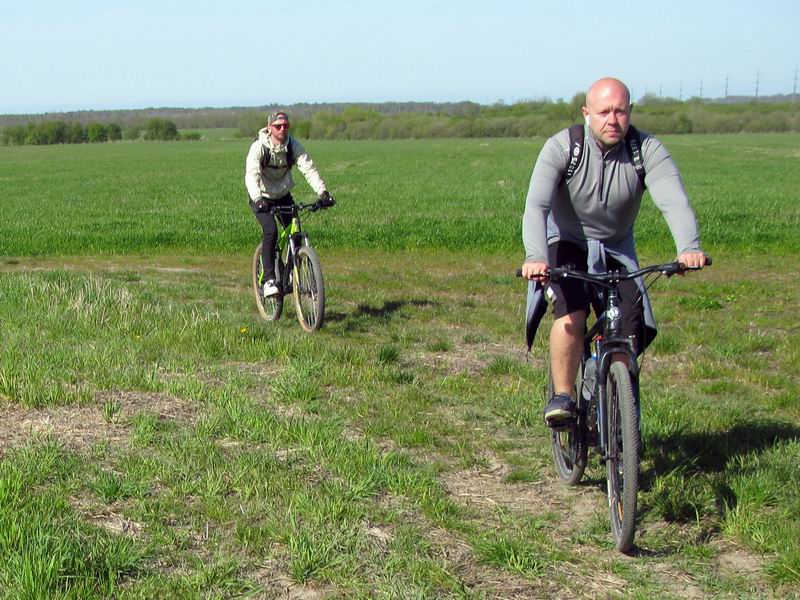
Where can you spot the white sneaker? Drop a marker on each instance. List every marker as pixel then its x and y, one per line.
pixel 270 289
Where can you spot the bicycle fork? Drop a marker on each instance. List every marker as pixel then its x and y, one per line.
pixel 602 408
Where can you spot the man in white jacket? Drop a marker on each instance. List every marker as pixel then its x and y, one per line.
pixel 268 177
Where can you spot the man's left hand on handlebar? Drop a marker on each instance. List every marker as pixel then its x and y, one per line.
pixel 693 260
pixel 326 200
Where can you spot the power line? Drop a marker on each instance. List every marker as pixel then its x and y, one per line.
pixel 772 87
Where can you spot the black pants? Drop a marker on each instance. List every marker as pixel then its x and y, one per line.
pixel 571 295
pixel 270 229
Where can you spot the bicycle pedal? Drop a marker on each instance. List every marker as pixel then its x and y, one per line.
pixel 564 425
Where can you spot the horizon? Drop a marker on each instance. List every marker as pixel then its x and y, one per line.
pixel 732 99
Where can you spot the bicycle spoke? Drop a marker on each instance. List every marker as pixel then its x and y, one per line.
pixel 309 291
pixel 569 443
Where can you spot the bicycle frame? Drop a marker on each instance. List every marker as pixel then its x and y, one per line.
pixel 291 237
pixel 287 246
pixel 610 343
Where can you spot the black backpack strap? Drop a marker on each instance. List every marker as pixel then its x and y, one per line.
pixel 576 142
pixel 290 152
pixel 289 156
pixel 633 142
pixel 264 157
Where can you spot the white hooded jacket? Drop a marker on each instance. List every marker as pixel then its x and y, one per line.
pixel 274 181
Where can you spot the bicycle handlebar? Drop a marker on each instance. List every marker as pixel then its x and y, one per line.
pixel 615 276
pixel 290 209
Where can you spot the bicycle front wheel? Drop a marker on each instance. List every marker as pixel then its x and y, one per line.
pixel 269 307
pixel 309 291
pixel 569 441
pixel 622 462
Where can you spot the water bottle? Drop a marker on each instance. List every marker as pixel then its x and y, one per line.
pixel 589 371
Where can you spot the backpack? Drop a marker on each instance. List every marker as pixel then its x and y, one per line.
pixel 633 142
pixel 289 156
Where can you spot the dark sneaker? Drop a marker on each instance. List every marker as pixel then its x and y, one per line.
pixel 559 410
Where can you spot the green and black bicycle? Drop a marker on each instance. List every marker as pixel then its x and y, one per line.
pixel 297 268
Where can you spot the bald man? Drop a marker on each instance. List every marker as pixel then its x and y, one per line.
pixel 590 216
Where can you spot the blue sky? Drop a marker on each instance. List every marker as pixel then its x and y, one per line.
pixel 91 55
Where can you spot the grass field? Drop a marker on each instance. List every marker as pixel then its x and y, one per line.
pixel 159 440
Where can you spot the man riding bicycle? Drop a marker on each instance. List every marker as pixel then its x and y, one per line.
pixel 584 197
pixel 268 177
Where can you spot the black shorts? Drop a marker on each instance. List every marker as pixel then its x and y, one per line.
pixel 571 295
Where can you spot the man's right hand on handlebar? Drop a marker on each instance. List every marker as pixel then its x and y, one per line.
pixel 534 270
pixel 260 204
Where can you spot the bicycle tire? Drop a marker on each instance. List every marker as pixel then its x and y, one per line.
pixel 269 307
pixel 309 289
pixel 569 443
pixel 622 462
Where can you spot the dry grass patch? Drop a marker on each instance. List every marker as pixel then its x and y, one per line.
pixel 275 584
pixel 81 426
pixel 486 581
pixel 485 488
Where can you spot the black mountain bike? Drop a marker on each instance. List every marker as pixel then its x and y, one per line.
pixel 297 268
pixel 607 396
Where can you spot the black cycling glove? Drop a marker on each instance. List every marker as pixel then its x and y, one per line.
pixel 326 200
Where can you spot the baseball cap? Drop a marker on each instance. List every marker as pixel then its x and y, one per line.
pixel 279 114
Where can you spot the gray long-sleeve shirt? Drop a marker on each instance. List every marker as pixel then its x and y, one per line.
pixel 602 199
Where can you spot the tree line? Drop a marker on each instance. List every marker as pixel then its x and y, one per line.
pixel 537 118
pixel 396 120
pixel 63 132
pixel 211 118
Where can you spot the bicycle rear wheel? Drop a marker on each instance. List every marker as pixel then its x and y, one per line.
pixel 309 291
pixel 569 442
pixel 269 307
pixel 622 462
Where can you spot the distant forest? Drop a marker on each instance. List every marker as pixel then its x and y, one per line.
pixel 395 120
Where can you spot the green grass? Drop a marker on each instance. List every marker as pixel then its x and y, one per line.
pixel 45 548
pixel 158 198
pixel 158 439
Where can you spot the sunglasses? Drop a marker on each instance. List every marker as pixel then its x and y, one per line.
pixel 280 125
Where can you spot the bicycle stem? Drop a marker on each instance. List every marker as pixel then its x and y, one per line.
pixel 613 313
